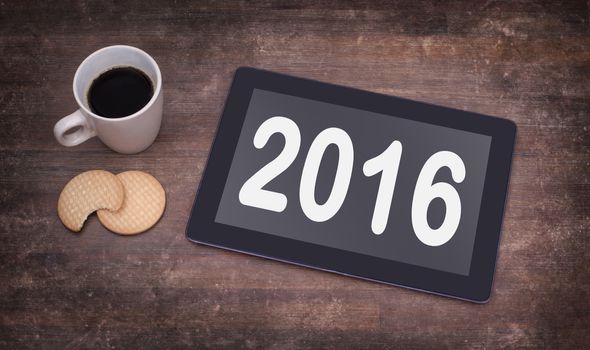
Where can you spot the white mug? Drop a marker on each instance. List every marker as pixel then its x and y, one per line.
pixel 131 134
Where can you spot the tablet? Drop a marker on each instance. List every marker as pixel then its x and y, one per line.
pixel 362 184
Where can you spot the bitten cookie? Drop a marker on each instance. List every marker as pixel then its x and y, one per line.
pixel 87 192
pixel 143 206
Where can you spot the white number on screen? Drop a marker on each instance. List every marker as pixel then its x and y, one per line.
pixel 252 193
pixel 387 163
pixel 426 191
pixel 322 212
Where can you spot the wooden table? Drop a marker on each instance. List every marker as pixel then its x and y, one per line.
pixel 525 61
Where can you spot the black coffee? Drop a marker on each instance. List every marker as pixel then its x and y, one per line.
pixel 120 92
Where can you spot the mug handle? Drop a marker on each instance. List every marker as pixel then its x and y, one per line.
pixel 77 119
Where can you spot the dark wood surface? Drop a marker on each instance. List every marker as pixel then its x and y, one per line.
pixel 525 61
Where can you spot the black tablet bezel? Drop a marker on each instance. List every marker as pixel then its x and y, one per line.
pixel 202 228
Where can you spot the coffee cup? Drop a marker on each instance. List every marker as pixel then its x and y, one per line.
pixel 120 128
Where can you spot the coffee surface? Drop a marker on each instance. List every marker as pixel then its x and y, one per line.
pixel 120 92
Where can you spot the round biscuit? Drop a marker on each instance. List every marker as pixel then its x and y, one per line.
pixel 86 193
pixel 145 200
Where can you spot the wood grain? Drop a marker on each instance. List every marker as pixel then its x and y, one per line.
pixel 528 61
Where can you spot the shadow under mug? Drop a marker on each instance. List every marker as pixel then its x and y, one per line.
pixel 130 134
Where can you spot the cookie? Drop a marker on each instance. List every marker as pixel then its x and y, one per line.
pixel 143 206
pixel 86 193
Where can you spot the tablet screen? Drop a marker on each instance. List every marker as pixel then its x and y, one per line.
pixel 358 181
